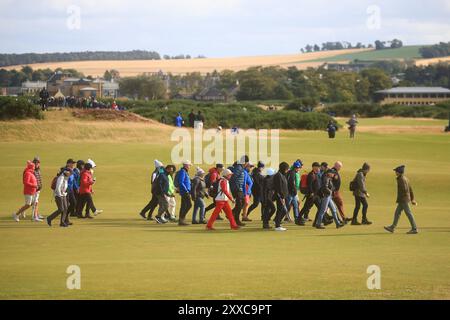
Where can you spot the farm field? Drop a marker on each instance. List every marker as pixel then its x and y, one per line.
pixel 135 67
pixel 122 256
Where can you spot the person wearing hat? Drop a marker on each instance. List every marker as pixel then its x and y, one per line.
pixel 360 193
pixel 292 200
pixel 60 194
pixel 184 188
pixel 35 216
pixel 326 191
pixel 405 196
pixel 160 189
pixel 312 194
pixel 153 203
pixel 30 186
pixel 268 208
pixel 76 175
pixel 221 200
pixel 199 192
pixel 236 184
pixel 257 189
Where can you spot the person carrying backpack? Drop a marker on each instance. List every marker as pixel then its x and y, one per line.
pixel 311 193
pixel 183 183
pixel 258 188
pixel 221 200
pixel 267 199
pixel 358 186
pixel 60 194
pixel 153 203
pixel 405 196
pixel 199 192
pixel 213 176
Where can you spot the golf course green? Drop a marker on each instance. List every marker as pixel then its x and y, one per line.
pixel 121 256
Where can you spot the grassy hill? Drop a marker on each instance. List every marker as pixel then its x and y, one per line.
pixel 123 256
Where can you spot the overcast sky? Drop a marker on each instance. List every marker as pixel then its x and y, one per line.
pixel 215 28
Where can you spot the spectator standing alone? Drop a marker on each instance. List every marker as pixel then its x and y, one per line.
pixel 352 123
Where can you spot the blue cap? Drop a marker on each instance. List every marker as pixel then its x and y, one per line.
pixel 298 164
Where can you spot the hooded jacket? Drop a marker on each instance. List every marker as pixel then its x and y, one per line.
pixel 248 184
pixel 198 188
pixel 237 179
pixel 86 182
pixel 360 179
pixel 258 183
pixel 291 181
pixel 213 175
pixel 280 186
pixel 184 181
pixel 30 183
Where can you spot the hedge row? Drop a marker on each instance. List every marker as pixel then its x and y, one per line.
pixel 18 108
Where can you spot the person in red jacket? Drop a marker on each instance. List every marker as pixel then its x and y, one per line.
pixel 221 200
pixel 30 185
pixel 86 183
pixel 214 175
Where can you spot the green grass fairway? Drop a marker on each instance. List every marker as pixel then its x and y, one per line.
pixel 123 257
pixel 404 53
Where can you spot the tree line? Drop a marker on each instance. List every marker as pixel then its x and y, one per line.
pixel 342 45
pixel 438 50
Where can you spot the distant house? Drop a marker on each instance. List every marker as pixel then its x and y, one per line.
pixel 33 87
pixel 414 96
pixel 216 95
pixel 110 89
pixel 348 67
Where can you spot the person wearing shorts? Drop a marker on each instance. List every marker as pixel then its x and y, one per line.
pixel 29 190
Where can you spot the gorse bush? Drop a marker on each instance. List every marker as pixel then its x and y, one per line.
pixel 439 111
pixel 18 108
pixel 242 115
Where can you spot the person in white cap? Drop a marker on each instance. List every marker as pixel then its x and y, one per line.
pixel 199 192
pixel 183 183
pixel 223 195
pixel 153 203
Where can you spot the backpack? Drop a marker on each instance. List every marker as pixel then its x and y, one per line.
pixel 214 189
pixel 53 184
pixel 304 183
pixel 208 180
pixel 176 181
pixel 353 185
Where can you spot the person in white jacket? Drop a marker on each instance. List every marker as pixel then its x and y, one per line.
pixel 60 194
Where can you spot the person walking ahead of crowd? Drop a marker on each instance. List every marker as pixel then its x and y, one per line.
pixel 153 203
pixel 358 186
pixel 60 194
pixel 405 196
pixel 221 200
pixel 30 185
pixel 183 183
pixel 35 216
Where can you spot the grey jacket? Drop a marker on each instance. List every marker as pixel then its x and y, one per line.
pixel 360 190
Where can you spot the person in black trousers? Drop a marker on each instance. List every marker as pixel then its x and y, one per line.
pixel 257 189
pixel 60 194
pixel 312 195
pixel 267 199
pixel 360 193
pixel 153 203
pixel 281 192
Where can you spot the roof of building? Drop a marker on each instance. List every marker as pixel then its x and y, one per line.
pixel 415 90
pixel 34 84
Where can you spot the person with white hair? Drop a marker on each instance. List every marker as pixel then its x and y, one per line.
pixel 221 200
pixel 153 203
pixel 183 183
pixel 199 192
pixel 337 195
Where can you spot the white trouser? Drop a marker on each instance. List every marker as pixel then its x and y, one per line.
pixel 172 206
pixel 35 204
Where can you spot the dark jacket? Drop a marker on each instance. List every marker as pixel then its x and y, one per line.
pixel 360 179
pixel 268 190
pixel 313 183
pixel 160 186
pixel 237 179
pixel 198 188
pixel 327 187
pixel 292 188
pixel 258 183
pixel 280 186
pixel 337 181
pixel 405 193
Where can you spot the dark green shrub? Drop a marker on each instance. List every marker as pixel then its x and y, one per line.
pixel 18 108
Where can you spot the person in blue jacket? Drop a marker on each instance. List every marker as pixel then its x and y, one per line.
pixel 247 189
pixel 179 120
pixel 236 182
pixel 183 183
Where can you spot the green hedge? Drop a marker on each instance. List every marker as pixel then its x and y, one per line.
pixel 439 111
pixel 18 108
pixel 242 115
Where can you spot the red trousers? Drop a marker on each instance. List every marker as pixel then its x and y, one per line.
pixel 225 206
pixel 339 202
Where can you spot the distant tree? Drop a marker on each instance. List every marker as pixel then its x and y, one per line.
pixel 309 48
pixel 316 48
pixel 380 45
pixel 395 44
